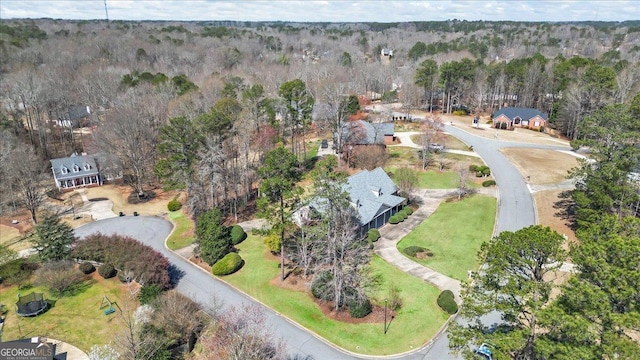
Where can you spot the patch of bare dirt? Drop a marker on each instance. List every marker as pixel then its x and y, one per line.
pixel 120 196
pixel 543 167
pixel 200 263
pixel 553 207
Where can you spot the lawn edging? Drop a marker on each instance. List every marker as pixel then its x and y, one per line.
pixel 313 333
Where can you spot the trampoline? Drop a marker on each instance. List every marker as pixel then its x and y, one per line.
pixel 31 305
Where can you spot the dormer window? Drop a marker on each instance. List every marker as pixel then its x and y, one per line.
pixel 76 168
pixel 87 167
pixel 64 170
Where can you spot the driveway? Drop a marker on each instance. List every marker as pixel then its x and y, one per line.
pixel 207 290
pixel 387 248
pixel 515 210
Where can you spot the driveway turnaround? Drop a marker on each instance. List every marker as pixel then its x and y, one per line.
pixel 207 290
pixel 516 210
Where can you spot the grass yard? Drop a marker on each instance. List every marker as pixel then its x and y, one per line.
pixel 454 234
pixel 417 321
pixel 12 238
pixel 76 319
pixel 432 179
pixel 403 155
pixel 182 234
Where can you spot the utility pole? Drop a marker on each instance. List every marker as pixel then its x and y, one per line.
pixel 106 12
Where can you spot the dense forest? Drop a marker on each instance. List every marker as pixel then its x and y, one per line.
pixel 231 85
pixel 224 110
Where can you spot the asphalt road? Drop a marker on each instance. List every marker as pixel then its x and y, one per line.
pixel 515 204
pixel 515 211
pixel 515 208
pixel 205 289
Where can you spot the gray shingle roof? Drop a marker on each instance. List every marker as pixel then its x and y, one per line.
pixel 372 192
pixel 523 113
pixel 360 132
pixel 77 112
pixel 84 164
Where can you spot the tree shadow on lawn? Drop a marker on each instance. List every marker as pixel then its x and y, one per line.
pixel 566 209
pixel 79 287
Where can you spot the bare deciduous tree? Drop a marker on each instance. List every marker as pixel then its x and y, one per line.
pixel 23 179
pixel 132 137
pixel 241 333
pixel 431 132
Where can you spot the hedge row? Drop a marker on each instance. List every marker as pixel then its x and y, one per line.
pixel 413 250
pixel 174 205
pixel 125 253
pixel 238 234
pixel 401 215
pixel 488 183
pixel 373 235
pixel 480 170
pixel 107 271
pixel 321 284
pixel 359 310
pixel 447 302
pixel 86 268
pixel 229 264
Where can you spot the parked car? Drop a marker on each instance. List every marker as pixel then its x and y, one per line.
pixel 324 144
pixel 436 147
pixel 484 351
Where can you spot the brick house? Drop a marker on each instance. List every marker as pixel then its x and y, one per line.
pixel 512 117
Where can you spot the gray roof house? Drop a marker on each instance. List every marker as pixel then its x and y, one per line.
pixel 372 193
pixel 82 171
pixel 76 116
pixel 361 132
pixel 510 117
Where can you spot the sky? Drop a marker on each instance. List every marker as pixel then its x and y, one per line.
pixel 325 11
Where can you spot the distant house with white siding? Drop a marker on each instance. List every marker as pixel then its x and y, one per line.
pixel 84 170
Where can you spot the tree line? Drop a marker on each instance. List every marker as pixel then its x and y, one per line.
pixel 594 314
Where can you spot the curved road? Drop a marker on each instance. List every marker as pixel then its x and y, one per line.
pixel 515 203
pixel 515 210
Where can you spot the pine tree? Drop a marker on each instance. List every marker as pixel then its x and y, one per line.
pixel 53 238
pixel 213 238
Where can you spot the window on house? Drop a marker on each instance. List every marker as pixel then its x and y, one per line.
pixel 87 166
pixel 517 120
pixel 76 168
pixel 537 123
pixel 64 170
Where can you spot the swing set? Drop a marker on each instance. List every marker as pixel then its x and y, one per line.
pixel 109 304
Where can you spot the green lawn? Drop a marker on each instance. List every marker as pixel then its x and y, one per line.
pixel 76 319
pixel 182 234
pixel 398 154
pixel 417 321
pixel 432 179
pixel 454 234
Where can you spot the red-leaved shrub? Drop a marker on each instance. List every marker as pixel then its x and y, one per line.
pixel 146 264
